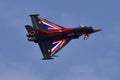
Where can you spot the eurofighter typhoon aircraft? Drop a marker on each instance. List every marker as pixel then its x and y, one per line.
pixel 51 37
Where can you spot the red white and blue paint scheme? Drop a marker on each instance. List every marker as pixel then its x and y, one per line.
pixel 52 37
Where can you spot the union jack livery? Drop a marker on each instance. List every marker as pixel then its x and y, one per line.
pixel 51 37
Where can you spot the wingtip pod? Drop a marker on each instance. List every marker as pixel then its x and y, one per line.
pixel 34 15
pixel 47 58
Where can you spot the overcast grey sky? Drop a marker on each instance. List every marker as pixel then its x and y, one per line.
pixel 98 58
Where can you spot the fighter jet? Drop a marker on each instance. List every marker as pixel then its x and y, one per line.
pixel 51 37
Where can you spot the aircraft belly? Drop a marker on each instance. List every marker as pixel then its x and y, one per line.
pixel 58 36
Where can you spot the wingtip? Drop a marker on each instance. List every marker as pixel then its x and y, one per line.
pixel 34 15
pixel 47 58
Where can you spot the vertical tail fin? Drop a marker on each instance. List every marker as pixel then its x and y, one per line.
pixel 29 28
pixel 31 31
pixel 37 23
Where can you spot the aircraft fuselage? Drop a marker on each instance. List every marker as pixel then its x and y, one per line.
pixel 71 33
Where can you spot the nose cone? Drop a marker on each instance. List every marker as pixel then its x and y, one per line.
pixel 96 30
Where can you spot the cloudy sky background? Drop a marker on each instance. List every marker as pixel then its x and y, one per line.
pixel 94 59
